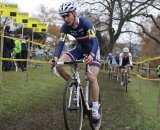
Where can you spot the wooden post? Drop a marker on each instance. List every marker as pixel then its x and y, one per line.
pixel 1 55
pixel 158 109
pixel 148 75
pixel 42 64
pixel 140 72
pixel 28 57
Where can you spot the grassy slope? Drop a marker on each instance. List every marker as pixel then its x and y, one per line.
pixel 37 105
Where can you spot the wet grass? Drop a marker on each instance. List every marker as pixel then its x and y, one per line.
pixel 37 104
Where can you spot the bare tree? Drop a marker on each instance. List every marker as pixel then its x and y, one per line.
pixel 111 16
pixel 49 16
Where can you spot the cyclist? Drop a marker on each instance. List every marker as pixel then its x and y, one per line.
pixel 87 43
pixel 125 58
pixel 108 60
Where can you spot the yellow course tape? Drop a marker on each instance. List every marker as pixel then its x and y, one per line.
pixel 148 59
pixel 35 61
pixel 139 76
pixel 21 39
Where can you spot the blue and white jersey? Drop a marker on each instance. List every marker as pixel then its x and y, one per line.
pixel 84 33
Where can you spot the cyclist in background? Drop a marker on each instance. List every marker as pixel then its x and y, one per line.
pixel 115 64
pixel 109 59
pixel 125 58
pixel 87 43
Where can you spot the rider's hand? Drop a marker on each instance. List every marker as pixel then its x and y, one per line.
pixel 52 62
pixel 89 59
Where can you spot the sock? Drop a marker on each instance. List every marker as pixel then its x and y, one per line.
pixel 95 105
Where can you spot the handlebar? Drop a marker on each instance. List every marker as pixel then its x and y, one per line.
pixel 70 62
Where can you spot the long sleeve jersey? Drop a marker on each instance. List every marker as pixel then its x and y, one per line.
pixel 83 33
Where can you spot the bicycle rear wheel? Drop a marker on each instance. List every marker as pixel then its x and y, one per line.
pixel 73 115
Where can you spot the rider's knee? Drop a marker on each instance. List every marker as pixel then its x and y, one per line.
pixel 92 78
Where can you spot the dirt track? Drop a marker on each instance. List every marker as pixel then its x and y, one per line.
pixel 120 112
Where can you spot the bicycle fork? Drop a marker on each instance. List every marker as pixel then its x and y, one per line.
pixel 87 96
pixel 74 94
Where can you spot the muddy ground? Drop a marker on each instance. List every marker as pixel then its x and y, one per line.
pixel 120 111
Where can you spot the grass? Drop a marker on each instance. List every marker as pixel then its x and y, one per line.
pixel 17 93
pixel 37 104
pixel 146 95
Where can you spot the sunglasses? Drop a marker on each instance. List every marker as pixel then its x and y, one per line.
pixel 67 15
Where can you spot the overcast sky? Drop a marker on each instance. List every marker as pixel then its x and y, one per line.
pixel 31 5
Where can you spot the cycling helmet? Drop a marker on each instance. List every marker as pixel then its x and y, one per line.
pixel 125 50
pixel 110 54
pixel 66 8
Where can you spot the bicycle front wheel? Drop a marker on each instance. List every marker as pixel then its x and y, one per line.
pixel 126 82
pixel 73 113
pixel 110 74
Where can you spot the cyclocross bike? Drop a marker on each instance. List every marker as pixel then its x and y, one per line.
pixel 110 72
pixel 76 101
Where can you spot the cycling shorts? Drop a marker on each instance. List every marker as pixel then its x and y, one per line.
pixel 77 54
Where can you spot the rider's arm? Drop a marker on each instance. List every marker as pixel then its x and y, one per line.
pixel 60 45
pixel 92 37
pixel 130 59
pixel 107 59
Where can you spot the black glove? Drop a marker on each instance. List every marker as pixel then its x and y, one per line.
pixel 53 63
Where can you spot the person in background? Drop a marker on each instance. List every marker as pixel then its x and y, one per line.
pixel 39 52
pixel 17 50
pixel 158 71
pixel 109 60
pixel 7 49
pixel 24 51
pixel 125 59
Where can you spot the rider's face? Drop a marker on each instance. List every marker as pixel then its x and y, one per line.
pixel 125 53
pixel 68 19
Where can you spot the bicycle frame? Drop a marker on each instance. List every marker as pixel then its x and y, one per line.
pixel 79 88
pixel 80 101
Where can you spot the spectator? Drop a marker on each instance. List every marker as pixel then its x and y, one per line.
pixel 7 49
pixel 17 51
pixel 39 52
pixel 24 51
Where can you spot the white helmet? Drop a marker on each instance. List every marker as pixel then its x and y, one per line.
pixel 66 7
pixel 125 49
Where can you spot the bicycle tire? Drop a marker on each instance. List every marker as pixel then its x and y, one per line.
pixel 71 120
pixel 110 74
pixel 97 125
pixel 32 65
pixel 117 78
pixel 126 82
pixel 14 66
